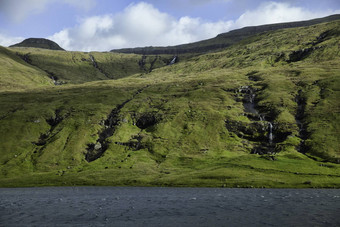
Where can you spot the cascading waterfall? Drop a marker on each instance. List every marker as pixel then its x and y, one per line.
pixel 260 130
pixel 262 118
pixel 270 136
pixel 173 61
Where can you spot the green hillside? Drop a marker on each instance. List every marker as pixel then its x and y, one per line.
pixel 223 40
pixel 16 74
pixel 66 67
pixel 38 43
pixel 261 113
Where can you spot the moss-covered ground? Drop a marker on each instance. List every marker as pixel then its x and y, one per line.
pixel 175 125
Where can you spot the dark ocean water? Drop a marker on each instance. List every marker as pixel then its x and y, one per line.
pixel 129 206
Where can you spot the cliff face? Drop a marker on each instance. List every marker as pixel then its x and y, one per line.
pixel 223 40
pixel 38 43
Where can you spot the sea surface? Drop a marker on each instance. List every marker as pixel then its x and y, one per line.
pixel 143 206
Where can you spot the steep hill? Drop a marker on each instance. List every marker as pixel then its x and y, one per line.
pixel 66 67
pixel 38 43
pixel 261 113
pixel 16 74
pixel 223 40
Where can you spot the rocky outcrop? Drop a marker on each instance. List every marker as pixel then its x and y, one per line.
pixel 299 117
pixel 53 121
pixel 146 120
pixel 261 132
pixel 301 54
pixel 134 144
pixel 96 150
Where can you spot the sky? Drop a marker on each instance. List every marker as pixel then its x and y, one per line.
pixel 103 25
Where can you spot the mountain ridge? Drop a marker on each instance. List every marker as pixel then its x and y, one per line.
pixel 223 40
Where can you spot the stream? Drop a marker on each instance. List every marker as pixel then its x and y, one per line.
pixel 300 114
pixel 267 144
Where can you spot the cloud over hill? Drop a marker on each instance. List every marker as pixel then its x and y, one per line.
pixel 144 25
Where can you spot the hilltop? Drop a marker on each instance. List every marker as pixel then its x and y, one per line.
pixel 223 40
pixel 262 112
pixel 38 43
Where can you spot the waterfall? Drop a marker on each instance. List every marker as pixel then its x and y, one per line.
pixel 270 136
pixel 93 61
pixel 252 98
pixel 261 117
pixel 173 61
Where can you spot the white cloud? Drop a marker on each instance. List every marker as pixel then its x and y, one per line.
pixel 138 25
pixel 274 12
pixel 143 25
pixel 18 10
pixel 6 40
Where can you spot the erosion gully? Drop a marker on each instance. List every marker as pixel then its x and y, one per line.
pixel 96 150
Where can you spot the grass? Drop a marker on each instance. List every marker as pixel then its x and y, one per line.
pixel 191 101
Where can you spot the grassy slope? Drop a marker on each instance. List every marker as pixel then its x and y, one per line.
pixel 78 67
pixel 18 75
pixel 191 100
pixel 223 40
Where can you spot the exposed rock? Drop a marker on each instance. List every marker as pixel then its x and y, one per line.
pixel 134 144
pixel 253 131
pixel 97 146
pixel 54 121
pixel 322 37
pixel 262 134
pixel 299 118
pixel 146 120
pixel 110 125
pixel 301 54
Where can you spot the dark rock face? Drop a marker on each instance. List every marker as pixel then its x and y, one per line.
pixel 38 43
pixel 96 150
pixel 301 54
pixel 53 121
pixel 300 121
pixel 146 120
pixel 134 144
pixel 254 131
pixel 261 132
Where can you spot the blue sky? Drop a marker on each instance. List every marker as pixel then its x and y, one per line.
pixel 101 25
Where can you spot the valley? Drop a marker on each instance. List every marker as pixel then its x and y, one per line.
pixel 260 112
